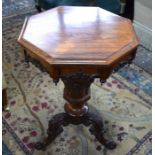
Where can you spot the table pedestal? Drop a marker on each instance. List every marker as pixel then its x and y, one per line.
pixel 76 93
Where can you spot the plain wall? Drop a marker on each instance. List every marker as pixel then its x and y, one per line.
pixel 143 12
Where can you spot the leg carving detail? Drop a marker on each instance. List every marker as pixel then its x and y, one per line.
pixel 63 119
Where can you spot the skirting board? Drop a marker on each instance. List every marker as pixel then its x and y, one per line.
pixel 144 34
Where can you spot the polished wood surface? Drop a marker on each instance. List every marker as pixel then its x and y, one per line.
pixel 73 41
pixel 77 45
pixel 5 100
pixel 78 35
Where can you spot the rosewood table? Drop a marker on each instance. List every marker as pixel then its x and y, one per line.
pixel 77 45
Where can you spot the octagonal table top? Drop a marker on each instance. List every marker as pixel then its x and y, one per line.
pixel 78 35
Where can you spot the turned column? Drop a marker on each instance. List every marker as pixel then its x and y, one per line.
pixel 77 93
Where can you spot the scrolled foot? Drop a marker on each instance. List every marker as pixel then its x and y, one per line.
pixel 97 129
pixel 40 146
pixel 62 119
pixel 110 145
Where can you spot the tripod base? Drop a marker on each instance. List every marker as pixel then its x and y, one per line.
pixel 63 119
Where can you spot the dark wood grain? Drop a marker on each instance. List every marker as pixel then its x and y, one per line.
pixel 55 127
pixel 77 45
pixel 4 100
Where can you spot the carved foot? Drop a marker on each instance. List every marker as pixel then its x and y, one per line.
pixel 40 146
pixel 54 129
pixel 64 119
pixel 110 145
pixel 97 129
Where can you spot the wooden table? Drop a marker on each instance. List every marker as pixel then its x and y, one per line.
pixel 77 45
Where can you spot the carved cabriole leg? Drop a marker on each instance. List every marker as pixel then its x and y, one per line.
pixel 63 119
pixel 54 129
